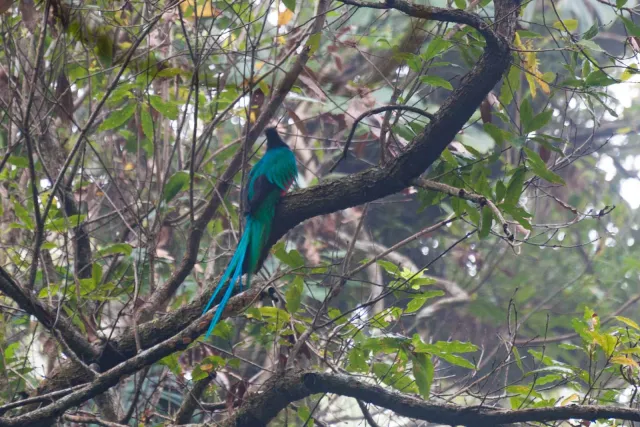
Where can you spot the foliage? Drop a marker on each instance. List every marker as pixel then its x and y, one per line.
pixel 506 276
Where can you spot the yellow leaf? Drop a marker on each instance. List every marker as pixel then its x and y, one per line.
pixel 624 130
pixel 624 360
pixel 204 11
pixel 206 367
pixel 281 40
pixel 252 117
pixel 570 399
pixel 284 17
pixel 533 75
pixel 570 24
pixel 628 72
pixel 532 84
pixel 628 321
pixel 518 42
pixel 129 167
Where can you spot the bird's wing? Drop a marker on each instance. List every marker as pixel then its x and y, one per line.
pixel 283 171
pixel 262 187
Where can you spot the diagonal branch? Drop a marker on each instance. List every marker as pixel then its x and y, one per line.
pixel 47 317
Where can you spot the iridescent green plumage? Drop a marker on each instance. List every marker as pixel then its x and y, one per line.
pixel 268 180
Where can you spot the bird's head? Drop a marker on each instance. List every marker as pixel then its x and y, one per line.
pixel 273 139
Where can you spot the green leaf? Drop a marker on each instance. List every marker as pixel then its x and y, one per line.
pixel 539 168
pixel 516 355
pixel 172 362
pixel 628 322
pixel 357 361
pixel 474 216
pixel 456 346
pixel 175 184
pixel 147 122
pixel 290 4
pixel 592 31
pixel 423 373
pixel 303 412
pixel 169 72
pixel 514 188
pixel 460 4
pixel 539 121
pixel 487 220
pixel 389 267
pixel 417 302
pixel 167 109
pixel 116 248
pixel 118 117
pixel 23 215
pixel 291 258
pixel 570 24
pixel 435 48
pixel 314 43
pixel 599 78
pixel 18 161
pixel 632 28
pixel 620 3
pixel 591 45
pixel 60 224
pixel 496 133
pixel 526 113
pixel 457 360
pixel 294 294
pixel 510 85
pixel 436 82
pixel 96 274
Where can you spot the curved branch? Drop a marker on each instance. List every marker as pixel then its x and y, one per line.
pixel 281 391
pixel 458 16
pixel 376 183
pixel 370 113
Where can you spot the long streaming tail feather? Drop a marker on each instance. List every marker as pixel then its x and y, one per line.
pixel 235 266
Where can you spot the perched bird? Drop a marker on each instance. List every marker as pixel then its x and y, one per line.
pixel 269 180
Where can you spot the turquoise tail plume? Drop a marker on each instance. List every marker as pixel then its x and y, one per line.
pixel 235 267
pixel 268 180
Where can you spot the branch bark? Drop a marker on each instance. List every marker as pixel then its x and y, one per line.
pixel 260 409
pixel 376 183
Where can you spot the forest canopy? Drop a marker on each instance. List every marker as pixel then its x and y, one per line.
pixel 462 245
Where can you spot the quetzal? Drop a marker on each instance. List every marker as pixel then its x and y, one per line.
pixel 269 180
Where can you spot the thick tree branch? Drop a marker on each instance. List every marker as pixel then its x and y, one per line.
pixel 103 382
pixel 46 316
pixel 376 183
pixel 259 409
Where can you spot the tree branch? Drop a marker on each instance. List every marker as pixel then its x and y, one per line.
pixel 103 382
pixel 259 409
pixel 376 183
pixel 49 319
